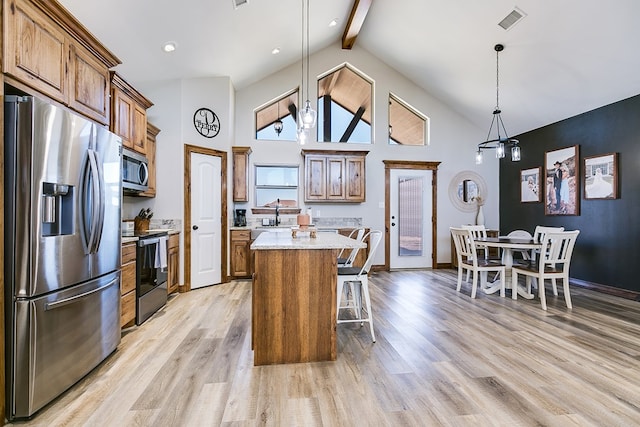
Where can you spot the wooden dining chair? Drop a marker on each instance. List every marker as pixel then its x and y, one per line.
pixel 521 234
pixel 538 237
pixel 356 234
pixel 468 260
pixel 539 233
pixel 553 263
pixel 479 232
pixel 358 280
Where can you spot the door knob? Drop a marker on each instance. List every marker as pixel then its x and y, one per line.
pixel 195 227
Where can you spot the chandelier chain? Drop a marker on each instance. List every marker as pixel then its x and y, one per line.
pixel 497 80
pixel 307 49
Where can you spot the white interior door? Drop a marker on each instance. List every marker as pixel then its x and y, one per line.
pixel 206 225
pixel 411 219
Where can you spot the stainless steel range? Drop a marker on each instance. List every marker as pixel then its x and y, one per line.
pixel 151 274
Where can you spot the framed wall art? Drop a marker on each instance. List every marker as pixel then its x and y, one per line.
pixel 530 185
pixel 601 176
pixel 562 184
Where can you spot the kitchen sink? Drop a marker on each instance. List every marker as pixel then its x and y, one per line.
pixel 259 230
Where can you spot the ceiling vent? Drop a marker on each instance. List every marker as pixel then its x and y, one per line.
pixel 512 18
pixel 238 3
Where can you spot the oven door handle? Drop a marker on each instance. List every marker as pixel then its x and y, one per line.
pixel 147 242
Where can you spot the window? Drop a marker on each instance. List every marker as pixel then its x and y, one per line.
pixel 344 107
pixel 285 109
pixel 275 182
pixel 407 126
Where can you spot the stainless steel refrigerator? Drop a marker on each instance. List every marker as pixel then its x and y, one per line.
pixel 62 250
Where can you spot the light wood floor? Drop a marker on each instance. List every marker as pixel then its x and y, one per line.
pixel 441 359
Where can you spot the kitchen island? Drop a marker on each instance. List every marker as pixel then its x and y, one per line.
pixel 294 297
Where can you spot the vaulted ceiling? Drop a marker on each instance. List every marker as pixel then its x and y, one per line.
pixel 564 58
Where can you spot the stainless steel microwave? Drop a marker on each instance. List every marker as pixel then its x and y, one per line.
pixel 135 172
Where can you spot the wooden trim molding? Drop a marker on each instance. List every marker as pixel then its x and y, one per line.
pixel 78 31
pixel 408 164
pixel 610 290
pixel 188 151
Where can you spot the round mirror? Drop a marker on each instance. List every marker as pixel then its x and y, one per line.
pixel 464 188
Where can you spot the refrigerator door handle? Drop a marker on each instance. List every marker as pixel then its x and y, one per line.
pixel 60 303
pixel 99 177
pixel 96 202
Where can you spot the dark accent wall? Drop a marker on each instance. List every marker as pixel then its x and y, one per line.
pixel 608 247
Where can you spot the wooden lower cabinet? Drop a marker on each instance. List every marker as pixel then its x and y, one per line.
pixel 173 263
pixel 128 285
pixel 241 253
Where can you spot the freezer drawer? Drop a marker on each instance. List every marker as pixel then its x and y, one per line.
pixel 59 338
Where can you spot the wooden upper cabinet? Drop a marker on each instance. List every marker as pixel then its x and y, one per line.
pixel 334 176
pixel 139 132
pixel 241 173
pixel 121 123
pixel 129 114
pixel 152 133
pixel 47 49
pixel 89 85
pixel 315 177
pixel 35 49
pixel 355 179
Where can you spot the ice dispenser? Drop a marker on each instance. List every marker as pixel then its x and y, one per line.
pixel 57 209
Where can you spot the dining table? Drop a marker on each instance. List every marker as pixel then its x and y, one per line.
pixel 508 246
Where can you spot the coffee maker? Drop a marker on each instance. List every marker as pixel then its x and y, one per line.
pixel 240 218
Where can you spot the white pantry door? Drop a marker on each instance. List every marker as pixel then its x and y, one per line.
pixel 410 207
pixel 206 226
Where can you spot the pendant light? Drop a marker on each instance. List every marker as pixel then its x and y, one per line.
pixel 307 115
pixel 500 141
pixel 278 125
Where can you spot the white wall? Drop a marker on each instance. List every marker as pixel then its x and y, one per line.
pixel 453 139
pixel 175 102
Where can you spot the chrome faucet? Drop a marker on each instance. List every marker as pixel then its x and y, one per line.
pixel 278 212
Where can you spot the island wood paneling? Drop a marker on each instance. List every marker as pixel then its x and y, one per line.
pixel 294 306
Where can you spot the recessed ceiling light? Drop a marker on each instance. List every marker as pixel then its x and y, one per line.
pixel 275 51
pixel 333 22
pixel 169 46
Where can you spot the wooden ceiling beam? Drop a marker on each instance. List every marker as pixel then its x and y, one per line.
pixel 356 19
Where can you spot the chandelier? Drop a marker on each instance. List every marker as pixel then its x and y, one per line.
pixel 307 115
pixel 501 141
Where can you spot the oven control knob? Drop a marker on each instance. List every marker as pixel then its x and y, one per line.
pixel 195 227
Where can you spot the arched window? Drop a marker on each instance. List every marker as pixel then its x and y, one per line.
pixel 277 119
pixel 345 107
pixel 407 126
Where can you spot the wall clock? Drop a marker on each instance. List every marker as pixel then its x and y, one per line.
pixel 206 122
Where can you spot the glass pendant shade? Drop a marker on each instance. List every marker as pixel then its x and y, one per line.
pixel 308 116
pixel 515 153
pixel 478 157
pixel 500 150
pixel 302 135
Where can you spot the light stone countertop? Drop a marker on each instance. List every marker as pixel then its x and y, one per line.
pixel 283 240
